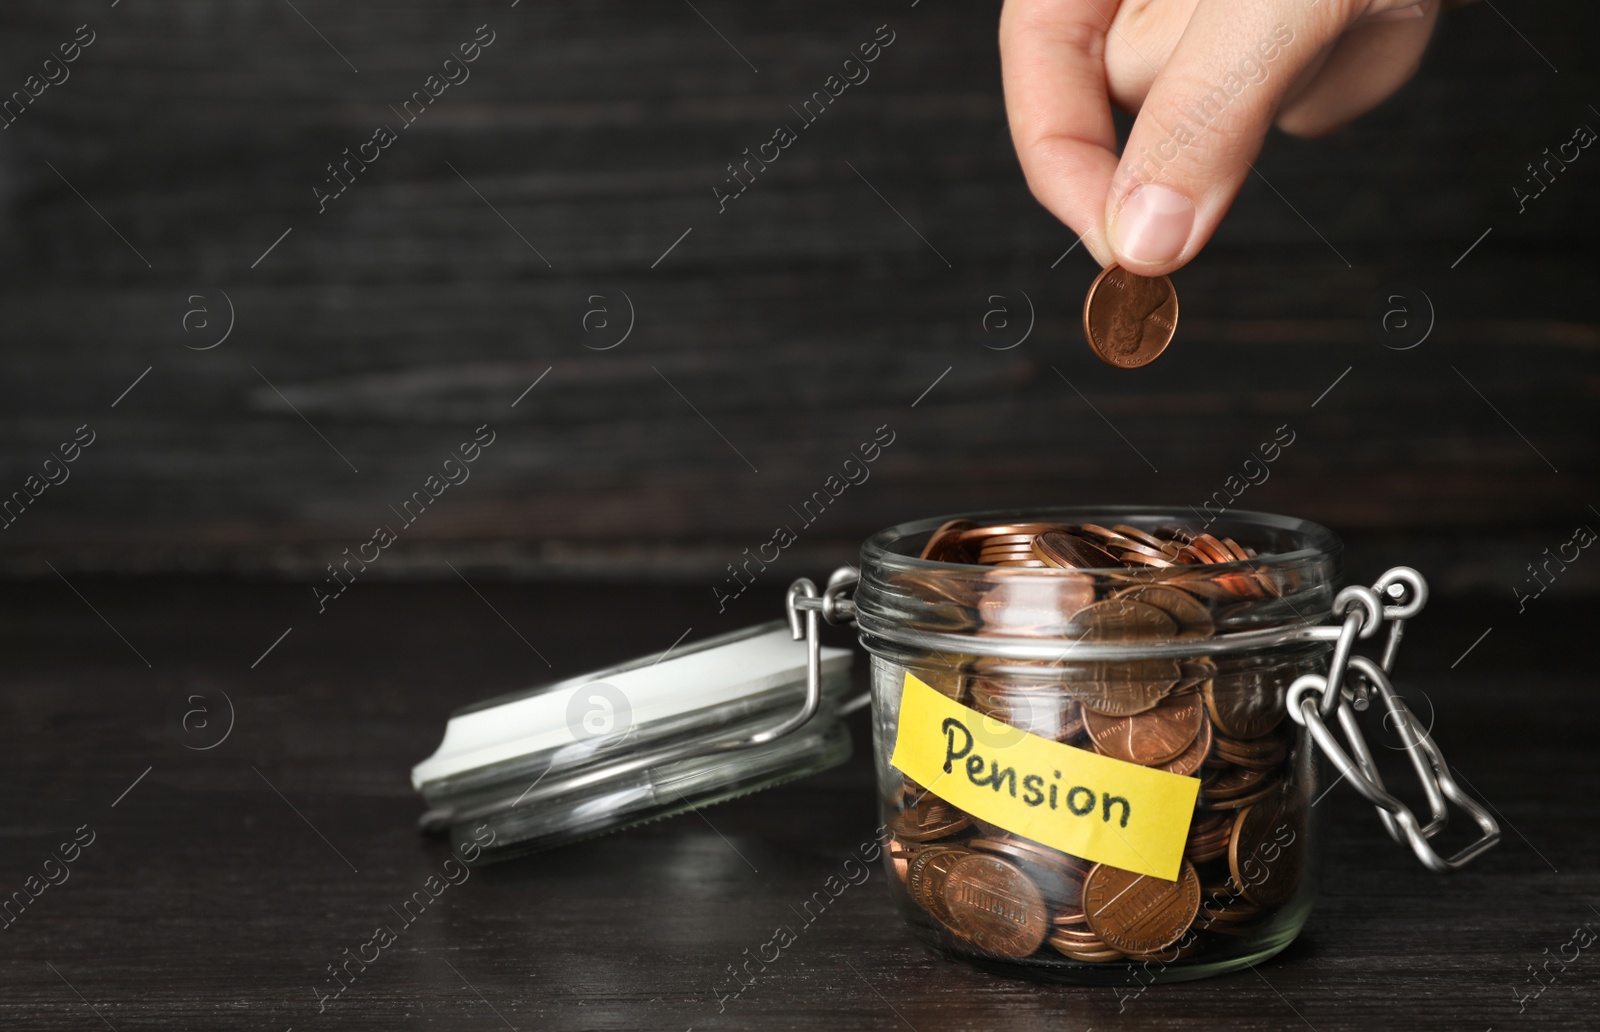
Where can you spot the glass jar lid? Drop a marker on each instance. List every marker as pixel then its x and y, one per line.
pixel 649 738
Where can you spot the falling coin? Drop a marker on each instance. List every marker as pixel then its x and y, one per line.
pixel 1128 319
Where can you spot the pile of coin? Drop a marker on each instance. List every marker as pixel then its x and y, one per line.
pixel 1221 720
pixel 1065 546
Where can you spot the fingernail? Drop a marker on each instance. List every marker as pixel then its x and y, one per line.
pixel 1153 225
pixel 1399 14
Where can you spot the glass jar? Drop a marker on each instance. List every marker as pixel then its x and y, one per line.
pixel 1093 734
pixel 1133 664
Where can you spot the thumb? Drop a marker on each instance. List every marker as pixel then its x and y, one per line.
pixel 1203 122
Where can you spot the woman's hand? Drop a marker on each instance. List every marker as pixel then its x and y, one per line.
pixel 1208 77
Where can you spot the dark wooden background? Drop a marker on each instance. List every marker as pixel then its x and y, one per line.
pixel 798 321
pixel 210 902
pixel 370 340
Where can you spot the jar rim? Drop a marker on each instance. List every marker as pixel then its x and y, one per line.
pixel 1320 542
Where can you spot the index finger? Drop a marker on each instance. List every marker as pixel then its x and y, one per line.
pixel 1052 57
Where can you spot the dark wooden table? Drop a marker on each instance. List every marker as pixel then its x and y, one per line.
pixel 220 883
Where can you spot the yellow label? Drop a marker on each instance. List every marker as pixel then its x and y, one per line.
pixel 1096 807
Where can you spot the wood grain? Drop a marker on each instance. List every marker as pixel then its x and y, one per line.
pixel 208 901
pixel 783 331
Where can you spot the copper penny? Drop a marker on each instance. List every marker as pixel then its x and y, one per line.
pixel 1189 761
pixel 925 877
pixel 1118 620
pixel 1213 550
pixel 1045 713
pixel 1076 933
pixel 1065 550
pixel 1060 881
pixel 995 906
pixel 1267 852
pixel 1191 615
pixel 977 535
pixel 943 545
pixel 1034 604
pixel 949 680
pixel 928 819
pixel 1089 956
pixel 1261 754
pixel 1150 738
pixel 1179 950
pixel 1269 784
pixel 1247 704
pixel 935 594
pixel 1128 319
pixel 1137 913
pixel 1144 537
pixel 1231 783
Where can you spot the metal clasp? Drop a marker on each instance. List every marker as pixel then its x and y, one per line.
pixel 1350 684
pixel 804 605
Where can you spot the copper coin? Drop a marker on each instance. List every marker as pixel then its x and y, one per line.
pixel 1129 319
pixel 1065 550
pixel 1190 614
pixel 1124 546
pixel 1076 934
pixel 995 906
pixel 932 590
pixel 1010 539
pixel 1105 956
pixel 1151 738
pixel 1210 849
pixel 1141 561
pixel 1137 913
pixel 1267 788
pixel 1189 761
pixel 1196 672
pixel 1045 713
pixel 1214 550
pixel 943 544
pixel 1059 881
pixel 1179 950
pixel 1232 782
pixel 1118 620
pixel 1034 604
pixel 1221 823
pixel 925 878
pixel 901 856
pixel 1119 689
pixel 1247 704
pixel 980 534
pixel 1145 537
pixel 1105 537
pixel 949 681
pixel 1266 855
pixel 1048 854
pixel 1276 750
pixel 927 820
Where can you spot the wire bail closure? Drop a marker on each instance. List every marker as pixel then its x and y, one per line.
pixel 1349 685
